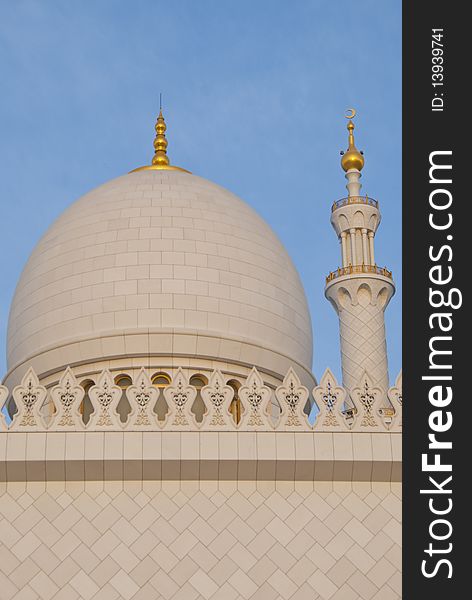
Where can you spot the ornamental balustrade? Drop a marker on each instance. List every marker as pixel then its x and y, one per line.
pixel 358 269
pixel 354 200
pixel 331 407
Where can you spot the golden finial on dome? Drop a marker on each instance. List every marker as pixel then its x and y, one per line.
pixel 160 160
pixel 352 159
pixel 160 157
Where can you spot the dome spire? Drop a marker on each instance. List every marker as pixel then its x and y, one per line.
pixel 160 160
pixel 352 159
pixel 160 157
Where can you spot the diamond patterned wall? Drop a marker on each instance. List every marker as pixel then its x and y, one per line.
pixel 200 540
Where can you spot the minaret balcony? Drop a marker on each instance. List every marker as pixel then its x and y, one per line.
pixel 358 270
pixel 354 200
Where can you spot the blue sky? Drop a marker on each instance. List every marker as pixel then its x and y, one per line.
pixel 254 97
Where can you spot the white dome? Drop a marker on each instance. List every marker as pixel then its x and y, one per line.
pixel 153 253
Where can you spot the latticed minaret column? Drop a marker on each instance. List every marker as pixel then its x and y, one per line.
pixel 359 290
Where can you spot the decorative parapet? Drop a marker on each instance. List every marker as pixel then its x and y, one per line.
pixel 180 397
pixel 358 269
pixel 217 397
pixel 285 409
pixel 367 403
pixel 142 397
pixel 330 398
pixel 29 398
pixel 104 398
pixel 354 200
pixel 292 397
pixel 255 399
pixel 67 397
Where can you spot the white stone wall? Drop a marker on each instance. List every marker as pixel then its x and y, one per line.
pixel 179 515
pixel 189 540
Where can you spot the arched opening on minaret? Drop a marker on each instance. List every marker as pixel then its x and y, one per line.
pixel 364 295
pixel 383 297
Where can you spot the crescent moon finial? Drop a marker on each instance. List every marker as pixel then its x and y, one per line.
pixel 352 111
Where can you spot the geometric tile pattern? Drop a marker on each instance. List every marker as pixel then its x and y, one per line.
pixel 189 540
pixel 363 343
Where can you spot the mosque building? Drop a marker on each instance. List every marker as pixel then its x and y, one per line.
pixel 163 435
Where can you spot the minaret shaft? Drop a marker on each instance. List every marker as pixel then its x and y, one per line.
pixel 360 301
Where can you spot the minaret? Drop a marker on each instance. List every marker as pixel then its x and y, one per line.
pixel 359 290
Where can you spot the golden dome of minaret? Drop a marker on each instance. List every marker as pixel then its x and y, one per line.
pixel 352 159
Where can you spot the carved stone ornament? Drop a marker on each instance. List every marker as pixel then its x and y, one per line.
pixel 217 397
pixel 142 396
pixel 367 401
pixel 29 397
pixel 255 397
pixel 104 398
pixel 67 396
pixel 366 408
pixel 330 398
pixel 395 395
pixel 292 397
pixel 180 397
